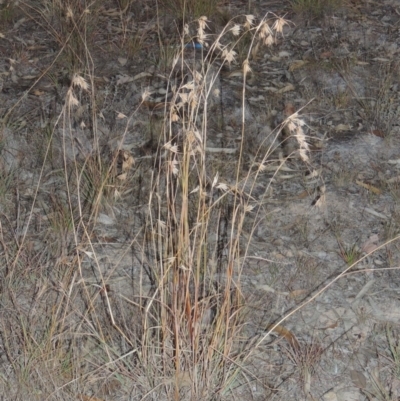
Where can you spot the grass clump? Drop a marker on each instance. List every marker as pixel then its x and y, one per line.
pixel 7 11
pixel 394 349
pixel 314 9
pixel 190 9
pixel 350 254
pixel 173 325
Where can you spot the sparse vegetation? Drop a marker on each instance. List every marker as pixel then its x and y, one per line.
pixel 130 203
pixel 315 8
pixel 6 12
pixel 350 254
pixel 394 349
pixel 189 10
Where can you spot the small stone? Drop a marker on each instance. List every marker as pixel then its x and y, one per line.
pixel 277 242
pixel 330 396
pixel 289 254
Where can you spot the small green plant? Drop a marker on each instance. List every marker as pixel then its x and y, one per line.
pixel 350 254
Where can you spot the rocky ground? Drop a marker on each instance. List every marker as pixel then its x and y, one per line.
pixel 319 250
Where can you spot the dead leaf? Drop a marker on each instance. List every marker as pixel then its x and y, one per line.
pixel 297 293
pixel 38 92
pixel 157 106
pixel 331 325
pixel 287 88
pixel 36 47
pixel 371 244
pixel 237 73
pixel 141 75
pixel 128 163
pixel 122 60
pixel 289 109
pixel 326 55
pixel 319 201
pixel 358 379
pixel 254 51
pixel 111 12
pixel 378 132
pixel 284 53
pixel 265 287
pixel 287 334
pixel 123 79
pixel 381 59
pixel 297 64
pixel 330 396
pixel 343 127
pixel 303 194
pixel 29 77
pixel 369 187
pixel 393 179
pixel 122 177
pixel 375 213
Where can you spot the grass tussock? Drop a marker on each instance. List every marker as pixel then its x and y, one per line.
pixel 190 9
pixel 312 9
pixel 75 322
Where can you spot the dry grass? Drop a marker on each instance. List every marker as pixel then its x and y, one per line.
pixel 176 333
pixel 312 9
pixel 74 322
pixel 383 380
pixel 189 10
